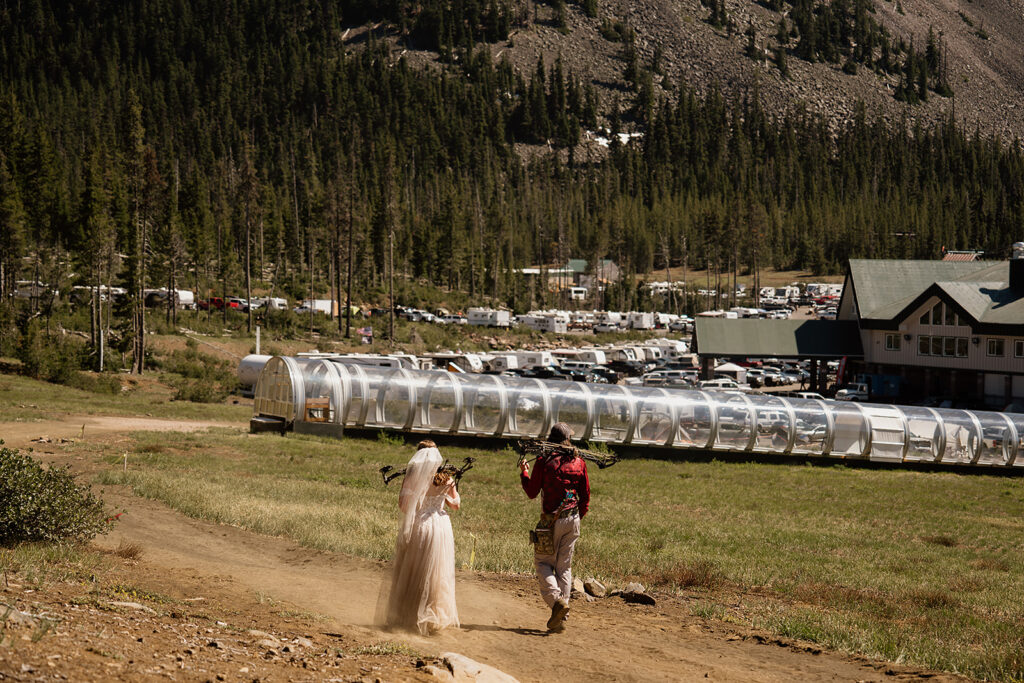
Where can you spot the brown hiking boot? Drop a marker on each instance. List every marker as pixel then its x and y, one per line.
pixel 558 612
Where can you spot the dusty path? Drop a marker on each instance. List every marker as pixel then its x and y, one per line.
pixel 22 434
pixel 502 618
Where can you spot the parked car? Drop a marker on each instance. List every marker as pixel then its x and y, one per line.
pixel 658 378
pixel 606 327
pixel 790 376
pixel 755 377
pixel 545 373
pixel 214 302
pixel 720 384
pixel 858 391
pixel 610 375
pixel 587 376
pixel 453 319
pixel 630 368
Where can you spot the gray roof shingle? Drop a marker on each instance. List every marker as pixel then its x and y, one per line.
pixel 886 287
pixel 754 337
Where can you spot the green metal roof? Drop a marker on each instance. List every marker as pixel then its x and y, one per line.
pixel 752 337
pixel 885 288
pixel 579 265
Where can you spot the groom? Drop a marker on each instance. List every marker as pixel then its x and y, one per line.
pixel 562 479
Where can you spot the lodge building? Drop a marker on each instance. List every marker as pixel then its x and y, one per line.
pixel 947 329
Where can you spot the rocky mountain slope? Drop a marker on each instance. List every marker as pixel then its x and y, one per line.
pixel 983 42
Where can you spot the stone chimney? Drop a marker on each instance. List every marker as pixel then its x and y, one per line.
pixel 1017 268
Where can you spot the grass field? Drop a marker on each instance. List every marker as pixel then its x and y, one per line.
pixel 22 398
pixel 908 566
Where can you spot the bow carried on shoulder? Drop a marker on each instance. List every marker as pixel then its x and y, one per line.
pixel 389 472
pixel 538 448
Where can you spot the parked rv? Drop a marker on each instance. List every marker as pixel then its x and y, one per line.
pixel 640 321
pixel 325 306
pixel 462 362
pixel 536 359
pixel 269 302
pixel 546 322
pixel 488 317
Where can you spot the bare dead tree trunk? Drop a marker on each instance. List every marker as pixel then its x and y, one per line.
pixel 248 270
pixel 351 228
pixel 391 284
pixel 312 293
pixel 668 272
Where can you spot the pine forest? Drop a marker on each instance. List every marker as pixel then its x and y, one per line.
pixel 227 146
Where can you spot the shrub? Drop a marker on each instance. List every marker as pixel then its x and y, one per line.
pixel 51 358
pixel 96 383
pixel 199 391
pixel 38 504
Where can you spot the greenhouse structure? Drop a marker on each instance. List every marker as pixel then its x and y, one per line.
pixel 327 395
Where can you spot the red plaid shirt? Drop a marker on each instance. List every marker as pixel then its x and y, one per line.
pixel 556 475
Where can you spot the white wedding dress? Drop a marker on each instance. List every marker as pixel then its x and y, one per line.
pixel 422 587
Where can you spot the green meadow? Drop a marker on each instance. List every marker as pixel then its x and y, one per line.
pixel 923 568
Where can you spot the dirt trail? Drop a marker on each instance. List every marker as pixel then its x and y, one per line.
pixel 21 434
pixel 502 618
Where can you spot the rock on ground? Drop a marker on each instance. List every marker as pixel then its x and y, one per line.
pixel 463 668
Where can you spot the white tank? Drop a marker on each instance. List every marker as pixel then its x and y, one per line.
pixel 249 369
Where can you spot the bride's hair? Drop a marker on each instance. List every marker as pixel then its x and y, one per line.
pixel 426 443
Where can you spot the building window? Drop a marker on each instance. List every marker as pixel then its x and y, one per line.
pixel 926 319
pixel 937 314
pixel 949 346
pixel 936 346
pixel 961 347
pixel 1018 348
pixel 996 347
pixel 892 342
pixel 950 317
pixel 924 345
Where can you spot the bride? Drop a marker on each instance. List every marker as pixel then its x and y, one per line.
pixel 422 593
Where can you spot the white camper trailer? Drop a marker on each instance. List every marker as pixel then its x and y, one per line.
pixel 183 298
pixel 464 362
pixel 670 348
pixel 640 321
pixel 272 303
pixel 787 293
pixel 488 317
pixel 612 317
pixel 325 306
pixel 623 353
pixel 499 362
pixel 546 322
pixel 595 356
pixel 535 359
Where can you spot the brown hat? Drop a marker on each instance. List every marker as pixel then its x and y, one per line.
pixel 560 433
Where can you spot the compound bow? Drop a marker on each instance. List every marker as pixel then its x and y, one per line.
pixel 388 472
pixel 546 449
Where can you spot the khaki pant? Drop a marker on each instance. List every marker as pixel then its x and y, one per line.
pixel 554 572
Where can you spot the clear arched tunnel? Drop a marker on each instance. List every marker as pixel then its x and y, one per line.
pixel 328 395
